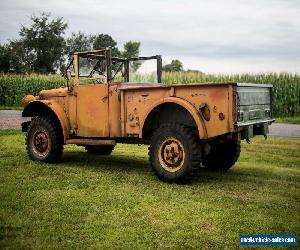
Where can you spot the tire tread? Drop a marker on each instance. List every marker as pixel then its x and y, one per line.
pixel 194 155
pixel 56 138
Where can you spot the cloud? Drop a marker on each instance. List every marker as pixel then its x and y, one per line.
pixel 218 31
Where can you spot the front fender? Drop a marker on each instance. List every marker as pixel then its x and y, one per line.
pixel 186 105
pixel 42 107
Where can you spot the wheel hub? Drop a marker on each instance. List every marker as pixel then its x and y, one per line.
pixel 171 155
pixel 40 141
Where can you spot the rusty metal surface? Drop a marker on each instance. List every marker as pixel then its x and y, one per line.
pixel 171 154
pixel 146 110
pixel 154 85
pixel 53 93
pixel 91 110
pixel 114 112
pixel 139 102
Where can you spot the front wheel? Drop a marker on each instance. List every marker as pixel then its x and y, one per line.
pixel 44 140
pixel 175 153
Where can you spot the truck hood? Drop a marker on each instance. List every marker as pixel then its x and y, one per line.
pixel 60 92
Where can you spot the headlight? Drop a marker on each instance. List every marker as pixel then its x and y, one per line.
pixel 27 99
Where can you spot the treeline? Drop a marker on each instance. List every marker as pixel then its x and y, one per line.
pixel 43 48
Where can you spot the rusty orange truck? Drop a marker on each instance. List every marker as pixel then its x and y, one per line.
pixel 186 125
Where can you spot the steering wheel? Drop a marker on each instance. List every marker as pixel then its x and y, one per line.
pixel 94 71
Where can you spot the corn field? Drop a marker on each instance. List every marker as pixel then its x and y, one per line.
pixel 286 92
pixel 14 87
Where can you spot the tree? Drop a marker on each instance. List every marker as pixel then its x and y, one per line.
pixel 14 57
pixel 106 41
pixel 194 71
pixel 42 48
pixel 79 42
pixel 4 58
pixel 43 42
pixel 20 58
pixel 174 66
pixel 132 49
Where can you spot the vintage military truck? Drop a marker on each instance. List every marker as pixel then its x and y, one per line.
pixel 186 125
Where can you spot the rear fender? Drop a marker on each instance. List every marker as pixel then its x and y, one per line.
pixel 186 105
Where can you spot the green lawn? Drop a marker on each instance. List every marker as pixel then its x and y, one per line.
pixel 116 202
pixel 11 108
pixel 290 120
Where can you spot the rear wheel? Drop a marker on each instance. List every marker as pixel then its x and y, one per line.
pixel 175 153
pixel 222 155
pixel 44 140
pixel 100 150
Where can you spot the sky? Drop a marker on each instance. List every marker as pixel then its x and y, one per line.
pixel 215 36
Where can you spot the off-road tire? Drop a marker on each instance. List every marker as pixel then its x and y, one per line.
pixel 222 155
pixel 43 128
pixel 100 150
pixel 186 142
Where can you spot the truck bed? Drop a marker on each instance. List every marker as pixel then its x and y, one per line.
pixel 243 104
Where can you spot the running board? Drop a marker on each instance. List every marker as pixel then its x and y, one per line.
pixel 93 142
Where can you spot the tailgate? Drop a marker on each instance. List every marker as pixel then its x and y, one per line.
pixel 254 104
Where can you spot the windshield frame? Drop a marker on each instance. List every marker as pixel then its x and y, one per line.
pixel 109 64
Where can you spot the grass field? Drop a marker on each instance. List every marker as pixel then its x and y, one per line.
pixel 290 120
pixel 116 202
